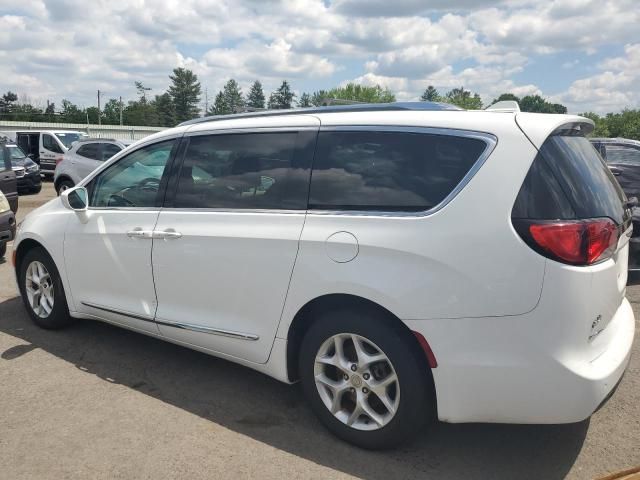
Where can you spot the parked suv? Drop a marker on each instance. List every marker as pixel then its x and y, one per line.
pixel 26 170
pixel 8 183
pixel 402 261
pixel 623 158
pixel 84 157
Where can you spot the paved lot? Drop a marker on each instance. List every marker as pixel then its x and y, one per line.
pixel 96 401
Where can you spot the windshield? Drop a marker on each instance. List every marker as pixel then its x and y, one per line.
pixel 15 152
pixel 67 138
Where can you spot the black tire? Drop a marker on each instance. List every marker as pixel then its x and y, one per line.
pixel 414 378
pixel 3 249
pixel 63 185
pixel 36 190
pixel 59 316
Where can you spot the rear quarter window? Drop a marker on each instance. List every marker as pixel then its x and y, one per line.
pixel 393 171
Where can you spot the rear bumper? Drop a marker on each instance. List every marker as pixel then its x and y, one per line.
pixel 490 371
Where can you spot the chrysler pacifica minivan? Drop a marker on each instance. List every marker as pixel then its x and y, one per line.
pixel 402 261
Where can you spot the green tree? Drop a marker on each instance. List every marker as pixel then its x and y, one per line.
pixel 625 124
pixel 255 99
pixel 537 104
pixel 92 114
pixel 142 91
pixel 165 110
pixel 220 106
pixel 111 112
pixel 430 95
pixel 601 129
pixel 505 97
pixel 233 96
pixel 463 98
pixel 282 98
pixel 319 98
pixel 71 113
pixel 353 92
pixel 305 100
pixel 185 93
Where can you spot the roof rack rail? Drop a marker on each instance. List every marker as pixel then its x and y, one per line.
pixel 358 107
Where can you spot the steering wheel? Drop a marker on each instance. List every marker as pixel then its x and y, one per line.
pixel 149 184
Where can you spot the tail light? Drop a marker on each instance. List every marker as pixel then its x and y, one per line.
pixel 575 242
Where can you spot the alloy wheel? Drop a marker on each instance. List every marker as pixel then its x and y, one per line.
pixel 356 381
pixel 39 289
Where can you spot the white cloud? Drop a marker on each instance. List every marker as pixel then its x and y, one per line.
pixel 63 48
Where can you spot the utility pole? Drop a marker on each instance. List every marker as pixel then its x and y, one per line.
pixel 120 110
pixel 99 121
pixel 206 102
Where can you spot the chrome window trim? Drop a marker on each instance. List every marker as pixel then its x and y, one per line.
pixel 252 211
pixel 489 139
pixel 249 130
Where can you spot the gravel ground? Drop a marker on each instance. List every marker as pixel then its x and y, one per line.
pixel 95 401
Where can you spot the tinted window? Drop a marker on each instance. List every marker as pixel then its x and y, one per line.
pixel 50 143
pixel 541 196
pixel 253 170
pixel 5 162
pixel 584 179
pixel 623 154
pixel 109 150
pixel 134 181
pixel 89 150
pixel 389 170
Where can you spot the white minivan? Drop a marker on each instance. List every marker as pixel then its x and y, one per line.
pixel 402 261
pixel 47 147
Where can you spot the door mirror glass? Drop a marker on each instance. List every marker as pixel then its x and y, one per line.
pixel 75 199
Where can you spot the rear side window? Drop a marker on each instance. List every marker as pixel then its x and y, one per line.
pixel 50 143
pixel 373 170
pixel 109 150
pixel 622 154
pixel 246 171
pixel 90 150
pixel 568 180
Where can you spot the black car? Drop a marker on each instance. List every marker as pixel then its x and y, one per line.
pixel 623 159
pixel 8 184
pixel 27 171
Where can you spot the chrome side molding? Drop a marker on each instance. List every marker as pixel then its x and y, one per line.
pixel 184 326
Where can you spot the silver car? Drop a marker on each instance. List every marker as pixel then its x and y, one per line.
pixel 84 157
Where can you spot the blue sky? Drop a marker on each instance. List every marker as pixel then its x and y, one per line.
pixel 583 53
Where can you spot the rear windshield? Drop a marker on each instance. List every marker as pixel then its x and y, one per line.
pixel 569 180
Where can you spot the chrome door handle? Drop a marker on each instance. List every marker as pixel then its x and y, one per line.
pixel 139 233
pixel 168 234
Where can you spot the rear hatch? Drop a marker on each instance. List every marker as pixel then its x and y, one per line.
pixel 572 210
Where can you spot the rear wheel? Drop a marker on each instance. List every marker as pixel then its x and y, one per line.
pixel 3 249
pixel 364 380
pixel 42 291
pixel 64 185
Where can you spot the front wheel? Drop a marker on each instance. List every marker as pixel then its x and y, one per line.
pixel 364 379
pixel 64 185
pixel 42 291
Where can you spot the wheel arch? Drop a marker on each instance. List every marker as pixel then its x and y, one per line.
pixel 308 315
pixel 60 179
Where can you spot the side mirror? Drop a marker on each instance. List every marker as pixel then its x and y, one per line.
pixel 76 199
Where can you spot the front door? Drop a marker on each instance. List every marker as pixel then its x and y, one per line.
pixel 226 243
pixel 108 258
pixel 50 152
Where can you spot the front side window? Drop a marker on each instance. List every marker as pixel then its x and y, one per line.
pixel 108 151
pixel 16 153
pixel 134 181
pixel 623 154
pixel 404 171
pixel 89 150
pixel 246 170
pixel 51 144
pixel 67 138
pixel 5 163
